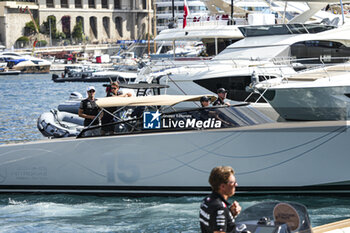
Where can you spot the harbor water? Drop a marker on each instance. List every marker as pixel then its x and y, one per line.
pixel 23 98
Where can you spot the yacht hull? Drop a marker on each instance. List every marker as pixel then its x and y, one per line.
pixel 34 69
pixel 311 103
pixel 273 158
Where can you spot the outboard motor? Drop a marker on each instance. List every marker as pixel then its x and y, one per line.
pixel 75 96
pixel 54 77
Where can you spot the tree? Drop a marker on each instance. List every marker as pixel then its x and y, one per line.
pixel 59 35
pixel 78 33
pixel 29 28
pixel 50 20
pixel 23 39
pixel 22 42
pixel 42 43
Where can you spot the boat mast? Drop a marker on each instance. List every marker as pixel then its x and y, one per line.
pixel 232 21
pixel 342 11
pixel 154 26
pixel 149 26
pixel 173 19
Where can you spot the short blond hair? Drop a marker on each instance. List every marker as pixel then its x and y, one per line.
pixel 220 175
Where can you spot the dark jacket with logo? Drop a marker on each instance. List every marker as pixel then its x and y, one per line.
pixel 89 107
pixel 218 101
pixel 215 214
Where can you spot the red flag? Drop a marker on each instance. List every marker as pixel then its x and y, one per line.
pixel 185 14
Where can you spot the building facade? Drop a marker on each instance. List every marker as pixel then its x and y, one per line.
pixel 102 20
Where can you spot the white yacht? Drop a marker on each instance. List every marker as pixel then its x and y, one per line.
pixel 268 51
pixel 316 94
pixel 172 152
pixel 25 63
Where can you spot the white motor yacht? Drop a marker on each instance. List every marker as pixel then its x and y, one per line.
pixel 316 94
pixel 160 151
pixel 269 51
pixel 25 63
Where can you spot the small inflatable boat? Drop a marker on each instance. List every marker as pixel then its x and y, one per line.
pixel 57 124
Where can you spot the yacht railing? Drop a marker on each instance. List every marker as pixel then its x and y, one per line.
pixel 299 64
pixel 310 61
pixel 315 71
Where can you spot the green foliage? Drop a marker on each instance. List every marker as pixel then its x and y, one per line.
pixel 46 24
pixel 23 39
pixel 78 31
pixel 29 28
pixel 42 43
pixel 21 42
pixel 59 35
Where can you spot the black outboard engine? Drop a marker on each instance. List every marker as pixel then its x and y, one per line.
pixel 274 217
pixel 55 76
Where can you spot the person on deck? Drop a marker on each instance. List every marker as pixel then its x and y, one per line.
pixel 205 101
pixel 107 117
pixel 222 94
pixel 89 110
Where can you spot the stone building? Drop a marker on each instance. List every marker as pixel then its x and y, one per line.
pixel 102 20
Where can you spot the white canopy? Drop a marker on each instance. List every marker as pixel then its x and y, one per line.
pixel 156 100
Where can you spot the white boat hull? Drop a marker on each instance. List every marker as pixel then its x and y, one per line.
pixel 273 158
pixel 311 103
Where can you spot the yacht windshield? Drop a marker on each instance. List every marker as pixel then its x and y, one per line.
pixel 253 53
pixel 283 29
pixel 272 214
pixel 151 119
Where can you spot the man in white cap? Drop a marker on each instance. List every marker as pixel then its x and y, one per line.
pixel 89 110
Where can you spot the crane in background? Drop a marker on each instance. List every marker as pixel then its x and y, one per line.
pixel 21 10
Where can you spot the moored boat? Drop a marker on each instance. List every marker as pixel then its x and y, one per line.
pixel 86 74
pixel 59 124
pixel 25 63
pixel 318 94
pixel 172 152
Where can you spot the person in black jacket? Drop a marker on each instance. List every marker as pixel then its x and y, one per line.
pixel 222 93
pixel 89 110
pixel 216 213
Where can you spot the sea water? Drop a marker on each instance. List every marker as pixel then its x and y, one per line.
pixel 23 98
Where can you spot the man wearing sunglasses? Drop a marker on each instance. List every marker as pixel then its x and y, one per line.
pixel 89 110
pixel 108 118
pixel 114 91
pixel 216 213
